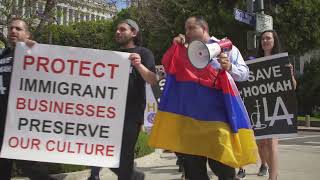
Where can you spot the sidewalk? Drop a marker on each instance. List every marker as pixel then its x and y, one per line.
pixel 295 163
pixel 312 129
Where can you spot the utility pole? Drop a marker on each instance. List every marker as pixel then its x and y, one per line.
pixel 255 17
pixel 262 22
pixel 250 6
pixel 260 6
pixel 251 35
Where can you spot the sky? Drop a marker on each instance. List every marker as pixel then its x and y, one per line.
pixel 120 3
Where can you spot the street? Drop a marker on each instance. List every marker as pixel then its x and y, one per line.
pixel 303 139
pixel 299 158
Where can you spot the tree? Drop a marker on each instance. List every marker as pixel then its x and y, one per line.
pixel 296 21
pixel 298 24
pixel 48 16
pixel 164 19
pixel 309 87
pixel 9 9
pixel 5 13
pixel 88 34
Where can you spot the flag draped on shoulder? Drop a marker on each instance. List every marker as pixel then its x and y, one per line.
pixel 201 113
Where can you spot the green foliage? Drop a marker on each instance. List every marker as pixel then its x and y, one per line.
pixel 87 34
pixel 27 168
pixel 164 19
pixel 298 23
pixel 309 88
pixel 316 114
pixel 64 168
pixel 2 45
pixel 129 13
pixel 90 34
pixel 312 118
pixel 142 147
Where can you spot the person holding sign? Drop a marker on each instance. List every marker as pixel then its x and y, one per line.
pixel 142 70
pixel 18 31
pixel 268 148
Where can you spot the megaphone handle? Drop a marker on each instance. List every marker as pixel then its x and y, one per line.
pixel 223 50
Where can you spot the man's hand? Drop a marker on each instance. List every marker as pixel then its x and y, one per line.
pixel 225 62
pixel 147 75
pixel 135 59
pixel 180 39
pixel 30 43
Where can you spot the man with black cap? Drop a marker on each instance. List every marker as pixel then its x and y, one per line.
pixel 142 70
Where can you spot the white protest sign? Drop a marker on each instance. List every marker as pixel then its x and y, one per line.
pixel 66 105
pixel 153 98
pixel 151 108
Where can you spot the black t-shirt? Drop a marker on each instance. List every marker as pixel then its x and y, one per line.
pixel 6 63
pixel 136 98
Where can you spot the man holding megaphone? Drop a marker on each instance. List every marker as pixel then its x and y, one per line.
pixel 229 58
pixel 204 50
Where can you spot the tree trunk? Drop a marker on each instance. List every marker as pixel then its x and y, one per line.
pixel 47 16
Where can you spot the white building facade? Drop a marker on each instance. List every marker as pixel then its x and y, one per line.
pixel 66 12
pixel 83 10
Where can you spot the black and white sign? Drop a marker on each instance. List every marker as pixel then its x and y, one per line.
pixel 269 97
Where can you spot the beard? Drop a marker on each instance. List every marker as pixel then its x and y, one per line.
pixel 123 40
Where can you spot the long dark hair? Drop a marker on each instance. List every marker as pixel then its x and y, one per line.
pixel 276 48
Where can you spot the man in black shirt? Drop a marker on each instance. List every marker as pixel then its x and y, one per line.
pixel 142 70
pixel 18 32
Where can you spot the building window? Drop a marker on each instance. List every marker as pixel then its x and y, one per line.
pixel 59 15
pixel 27 7
pixel 40 7
pixel 65 15
pixel 81 17
pixel 76 15
pixel 71 16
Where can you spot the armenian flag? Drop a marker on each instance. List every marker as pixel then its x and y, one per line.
pixel 201 113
